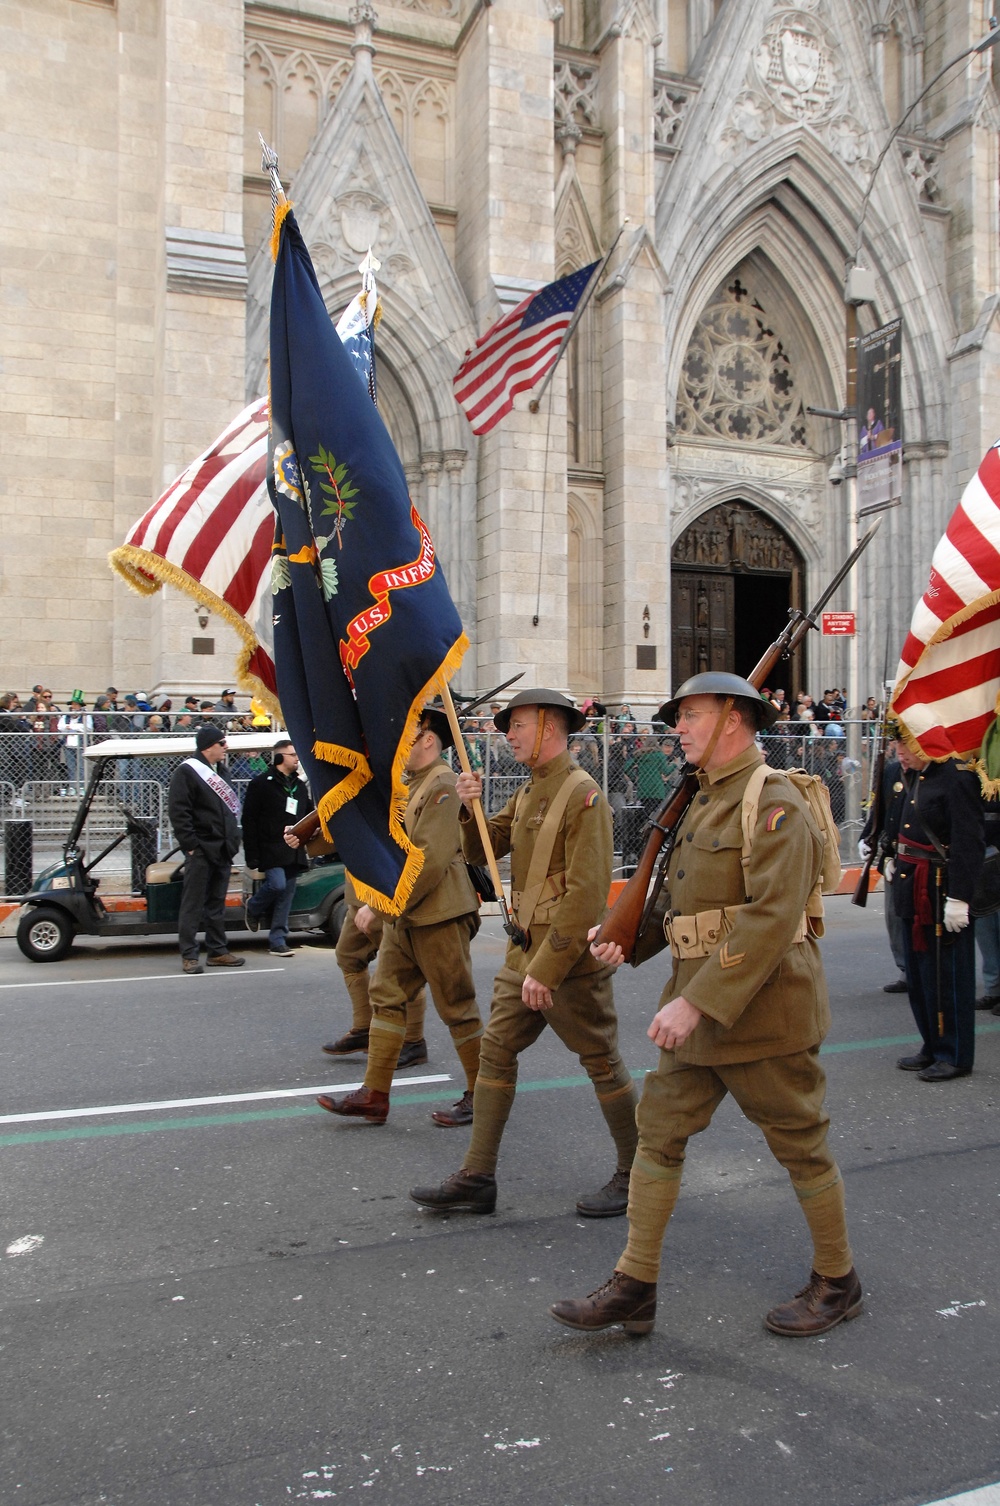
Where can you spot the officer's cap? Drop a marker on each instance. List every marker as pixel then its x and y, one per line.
pixel 577 720
pixel 717 682
pixel 433 719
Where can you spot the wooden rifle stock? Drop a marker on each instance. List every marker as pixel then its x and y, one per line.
pixel 306 828
pixel 623 923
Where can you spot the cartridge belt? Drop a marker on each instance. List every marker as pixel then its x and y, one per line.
pixel 702 934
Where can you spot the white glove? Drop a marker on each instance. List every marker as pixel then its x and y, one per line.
pixel 889 871
pixel 864 850
pixel 956 914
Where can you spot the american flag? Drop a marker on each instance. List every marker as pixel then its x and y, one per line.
pixel 948 678
pixel 210 533
pixel 517 351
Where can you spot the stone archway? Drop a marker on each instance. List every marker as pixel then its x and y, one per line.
pixel 734 575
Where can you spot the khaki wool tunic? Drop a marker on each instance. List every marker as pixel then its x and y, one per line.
pixel 443 890
pixel 760 993
pixel 576 895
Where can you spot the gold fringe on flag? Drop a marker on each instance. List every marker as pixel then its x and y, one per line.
pixel 145 572
pixel 360 775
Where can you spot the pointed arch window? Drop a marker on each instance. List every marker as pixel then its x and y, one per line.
pixel 737 381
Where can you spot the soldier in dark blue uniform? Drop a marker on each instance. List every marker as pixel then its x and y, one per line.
pixel 936 834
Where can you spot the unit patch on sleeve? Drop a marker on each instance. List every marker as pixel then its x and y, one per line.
pixel 775 818
pixel 444 795
pixel 591 799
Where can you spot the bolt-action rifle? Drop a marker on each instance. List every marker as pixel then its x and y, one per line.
pixel 632 909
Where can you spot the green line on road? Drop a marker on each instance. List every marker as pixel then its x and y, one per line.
pixel 256 1116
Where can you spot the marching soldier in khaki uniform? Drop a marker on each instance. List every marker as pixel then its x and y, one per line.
pixel 356 951
pixel 557 829
pixel 429 942
pixel 744 1013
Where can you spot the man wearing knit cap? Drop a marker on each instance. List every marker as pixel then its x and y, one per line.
pixel 205 816
pixel 429 942
pixel 557 829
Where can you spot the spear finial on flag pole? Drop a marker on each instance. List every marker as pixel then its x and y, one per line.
pixel 370 264
pixel 279 203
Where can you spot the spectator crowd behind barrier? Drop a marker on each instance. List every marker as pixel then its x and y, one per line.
pixel 634 762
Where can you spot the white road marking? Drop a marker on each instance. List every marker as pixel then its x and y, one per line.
pixel 25 1244
pixel 986 1495
pixel 221 972
pixel 194 1103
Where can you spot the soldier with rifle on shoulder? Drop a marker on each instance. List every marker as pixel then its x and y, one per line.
pixel 744 1011
pixel 744 863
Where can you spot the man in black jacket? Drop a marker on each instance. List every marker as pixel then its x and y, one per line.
pixel 936 832
pixel 204 814
pixel 274 801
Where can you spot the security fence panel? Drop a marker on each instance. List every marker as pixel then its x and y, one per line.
pixel 635 763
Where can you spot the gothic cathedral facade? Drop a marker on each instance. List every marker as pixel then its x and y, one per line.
pixel 674 495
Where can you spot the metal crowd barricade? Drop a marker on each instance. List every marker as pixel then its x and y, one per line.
pixel 635 762
pixel 632 761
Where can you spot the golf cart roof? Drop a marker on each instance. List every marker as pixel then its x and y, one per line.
pixel 161 747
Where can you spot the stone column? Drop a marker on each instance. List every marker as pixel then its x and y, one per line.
pixel 201 342
pixel 430 466
pixel 506 208
pixel 963 114
pixel 636 512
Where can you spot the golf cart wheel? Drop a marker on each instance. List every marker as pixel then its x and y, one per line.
pixel 335 920
pixel 45 934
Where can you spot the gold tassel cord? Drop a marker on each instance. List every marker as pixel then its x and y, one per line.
pixel 280 215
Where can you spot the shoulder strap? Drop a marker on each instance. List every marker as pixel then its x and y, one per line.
pixel 430 785
pixel 750 808
pixel 538 868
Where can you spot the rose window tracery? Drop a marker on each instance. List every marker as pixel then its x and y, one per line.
pixel 737 379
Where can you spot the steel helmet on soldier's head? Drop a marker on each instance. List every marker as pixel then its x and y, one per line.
pixel 433 719
pixel 577 720
pixel 717 682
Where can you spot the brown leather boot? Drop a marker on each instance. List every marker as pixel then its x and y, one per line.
pixel 622 1299
pixel 459 1113
pixel 825 1302
pixel 364 1103
pixel 610 1202
pixel 462 1192
pixel 353 1042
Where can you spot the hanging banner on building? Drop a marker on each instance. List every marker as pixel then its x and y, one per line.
pixel 880 418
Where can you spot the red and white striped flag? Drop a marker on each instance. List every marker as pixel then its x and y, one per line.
pixel 948 678
pixel 210 535
pixel 517 351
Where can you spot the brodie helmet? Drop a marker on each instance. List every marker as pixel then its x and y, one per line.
pixel 433 719
pixel 577 720
pixel 717 682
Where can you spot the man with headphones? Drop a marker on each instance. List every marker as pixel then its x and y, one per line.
pixel 274 801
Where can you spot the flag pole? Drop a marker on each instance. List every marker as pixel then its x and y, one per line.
pixel 578 313
pixel 513 930
pixel 269 165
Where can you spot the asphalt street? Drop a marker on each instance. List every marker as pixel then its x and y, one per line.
pixel 235 1302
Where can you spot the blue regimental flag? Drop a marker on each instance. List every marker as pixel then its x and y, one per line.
pixel 365 630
